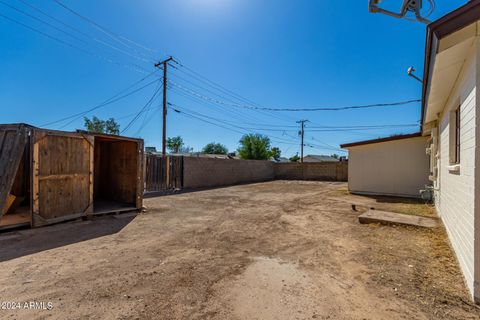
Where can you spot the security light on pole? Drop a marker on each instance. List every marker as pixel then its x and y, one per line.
pixel 408 6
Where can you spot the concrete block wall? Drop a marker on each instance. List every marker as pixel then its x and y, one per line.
pixel 329 171
pixel 207 172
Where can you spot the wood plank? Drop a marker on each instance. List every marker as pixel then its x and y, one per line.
pixel 63 176
pixel 91 141
pixel 391 218
pixel 11 154
pixel 35 204
pixel 140 175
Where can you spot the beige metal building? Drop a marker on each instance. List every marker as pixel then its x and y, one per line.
pixel 396 166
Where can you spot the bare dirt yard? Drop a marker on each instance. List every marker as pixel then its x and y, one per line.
pixel 276 250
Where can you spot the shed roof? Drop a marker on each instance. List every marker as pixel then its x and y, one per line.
pixel 392 138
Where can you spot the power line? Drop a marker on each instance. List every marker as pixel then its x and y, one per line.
pixel 234 113
pixel 118 96
pixel 143 109
pixel 366 126
pixel 241 132
pixel 79 31
pixel 41 21
pixel 252 105
pixel 392 104
pixel 223 121
pixel 73 46
pixel 120 39
pixel 224 90
pixel 230 102
pixel 147 120
pixel 199 95
pixel 357 129
pixel 201 117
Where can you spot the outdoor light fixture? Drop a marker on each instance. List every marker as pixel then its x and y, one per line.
pixel 413 6
pixel 410 72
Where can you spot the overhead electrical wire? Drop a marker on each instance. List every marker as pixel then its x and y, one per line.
pixel 202 96
pixel 143 109
pixel 73 46
pixel 41 21
pixel 120 39
pixel 145 123
pixel 118 96
pixel 190 72
pixel 237 128
pixel 392 104
pixel 233 113
pixel 78 31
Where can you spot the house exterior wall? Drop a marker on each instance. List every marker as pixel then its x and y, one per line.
pixel 455 190
pixel 398 167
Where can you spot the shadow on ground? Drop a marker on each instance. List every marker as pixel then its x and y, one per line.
pixel 25 242
pixel 387 199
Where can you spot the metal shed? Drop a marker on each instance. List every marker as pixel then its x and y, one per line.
pixel 49 176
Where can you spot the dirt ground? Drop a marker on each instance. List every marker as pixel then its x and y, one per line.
pixel 276 250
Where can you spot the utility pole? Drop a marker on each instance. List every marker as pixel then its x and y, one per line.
pixel 302 135
pixel 164 65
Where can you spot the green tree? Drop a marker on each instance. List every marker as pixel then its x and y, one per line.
pixel 335 156
pixel 254 147
pixel 97 125
pixel 112 127
pixel 275 153
pixel 295 158
pixel 174 144
pixel 215 148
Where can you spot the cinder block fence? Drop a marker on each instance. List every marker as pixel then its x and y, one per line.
pixel 196 172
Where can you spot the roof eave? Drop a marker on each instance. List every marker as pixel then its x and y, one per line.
pixel 437 30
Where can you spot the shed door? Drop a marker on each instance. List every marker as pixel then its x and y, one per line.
pixel 63 177
pixel 13 140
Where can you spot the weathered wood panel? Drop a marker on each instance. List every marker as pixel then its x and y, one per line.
pixel 163 173
pixel 13 140
pixel 62 176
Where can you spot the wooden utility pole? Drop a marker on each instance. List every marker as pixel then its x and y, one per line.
pixel 164 65
pixel 302 135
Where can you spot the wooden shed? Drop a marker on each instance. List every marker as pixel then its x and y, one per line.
pixel 49 176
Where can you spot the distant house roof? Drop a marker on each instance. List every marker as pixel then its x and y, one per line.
pixel 281 159
pixel 392 138
pixel 319 158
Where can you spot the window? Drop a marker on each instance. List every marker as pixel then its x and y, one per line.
pixel 457 135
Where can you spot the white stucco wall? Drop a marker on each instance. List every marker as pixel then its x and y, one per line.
pixel 398 167
pixel 455 191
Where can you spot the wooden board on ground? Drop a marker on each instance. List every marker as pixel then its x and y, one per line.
pixel 391 218
pixel 9 203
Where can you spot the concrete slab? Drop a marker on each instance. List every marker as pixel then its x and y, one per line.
pixel 391 218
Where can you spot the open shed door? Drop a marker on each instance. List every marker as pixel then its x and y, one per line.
pixel 62 176
pixel 13 139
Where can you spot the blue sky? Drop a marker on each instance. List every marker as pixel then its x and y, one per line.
pixel 276 53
